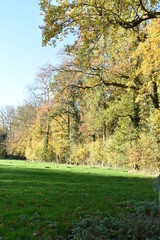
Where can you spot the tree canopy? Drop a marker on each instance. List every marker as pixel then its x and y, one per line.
pixel 93 18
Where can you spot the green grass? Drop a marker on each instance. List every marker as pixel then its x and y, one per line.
pixel 37 200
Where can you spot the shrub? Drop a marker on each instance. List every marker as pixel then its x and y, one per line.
pixel 79 154
pixel 102 153
pixel 142 153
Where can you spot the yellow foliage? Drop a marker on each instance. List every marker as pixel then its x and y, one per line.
pixel 149 50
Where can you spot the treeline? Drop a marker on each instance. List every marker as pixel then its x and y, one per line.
pixel 100 108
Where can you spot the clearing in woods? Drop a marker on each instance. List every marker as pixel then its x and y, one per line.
pixel 36 197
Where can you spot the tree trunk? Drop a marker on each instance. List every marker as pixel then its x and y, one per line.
pixel 155 96
pixel 104 133
pixel 93 138
pixel 136 116
pixel 46 141
pixel 68 126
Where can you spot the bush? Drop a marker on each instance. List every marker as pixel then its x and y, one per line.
pixel 79 154
pixel 94 154
pixel 143 153
pixel 102 154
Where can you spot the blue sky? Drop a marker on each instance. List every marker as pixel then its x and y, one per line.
pixel 21 51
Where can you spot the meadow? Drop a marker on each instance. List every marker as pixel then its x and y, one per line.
pixel 43 200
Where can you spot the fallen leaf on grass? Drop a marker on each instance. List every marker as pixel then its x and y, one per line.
pixel 64 221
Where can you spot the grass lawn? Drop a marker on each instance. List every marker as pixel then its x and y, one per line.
pixel 36 199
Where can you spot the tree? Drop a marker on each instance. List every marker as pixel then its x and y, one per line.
pixel 148 52
pixel 93 18
pixel 42 95
pixel 16 123
pixel 2 141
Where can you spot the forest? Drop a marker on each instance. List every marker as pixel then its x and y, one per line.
pixel 100 107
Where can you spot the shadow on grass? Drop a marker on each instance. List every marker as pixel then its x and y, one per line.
pixel 32 197
pixel 120 186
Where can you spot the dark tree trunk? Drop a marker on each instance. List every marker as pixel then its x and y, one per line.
pixel 93 137
pixel 136 115
pixel 68 126
pixel 155 96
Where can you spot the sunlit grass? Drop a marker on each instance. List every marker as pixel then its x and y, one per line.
pixel 35 197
